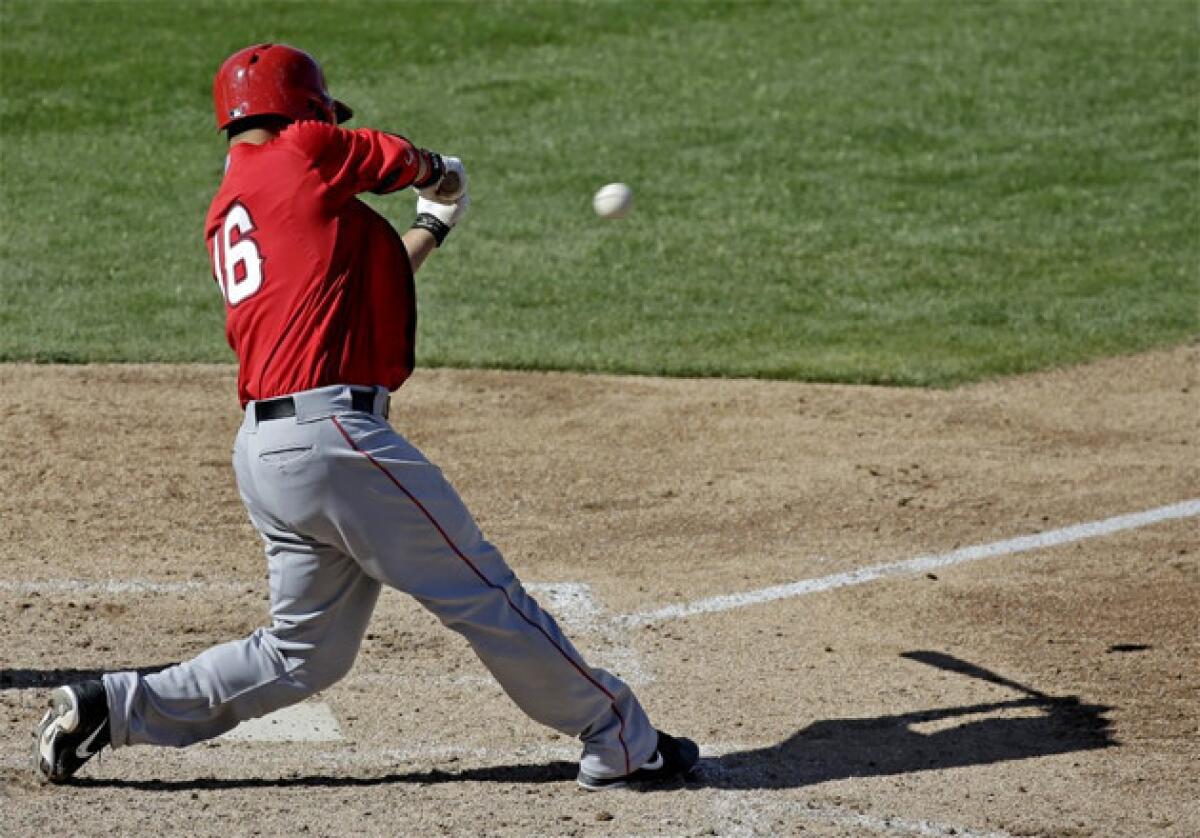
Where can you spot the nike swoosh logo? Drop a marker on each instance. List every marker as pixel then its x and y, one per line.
pixel 84 750
pixel 655 763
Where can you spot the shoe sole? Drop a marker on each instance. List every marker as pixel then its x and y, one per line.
pixel 615 784
pixel 43 747
pixel 62 717
pixel 648 782
pixel 626 782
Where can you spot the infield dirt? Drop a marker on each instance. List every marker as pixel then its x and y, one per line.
pixel 823 714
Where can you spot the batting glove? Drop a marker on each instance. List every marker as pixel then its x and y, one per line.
pixel 439 218
pixel 450 185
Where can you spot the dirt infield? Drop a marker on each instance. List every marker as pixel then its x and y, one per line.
pixel 1051 688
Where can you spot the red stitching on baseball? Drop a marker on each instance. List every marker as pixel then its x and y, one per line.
pixel 612 699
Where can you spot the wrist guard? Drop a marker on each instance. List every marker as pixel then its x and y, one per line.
pixel 428 221
pixel 437 168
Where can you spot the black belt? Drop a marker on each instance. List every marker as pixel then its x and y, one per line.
pixel 284 407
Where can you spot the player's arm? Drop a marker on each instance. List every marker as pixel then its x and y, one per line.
pixel 365 160
pixel 419 243
pixel 433 223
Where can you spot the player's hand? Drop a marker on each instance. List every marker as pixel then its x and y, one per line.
pixel 448 212
pixel 451 186
pixel 440 218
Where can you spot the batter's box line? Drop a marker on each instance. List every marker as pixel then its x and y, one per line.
pixel 579 611
pixel 918 565
pixel 571 603
pixel 125 586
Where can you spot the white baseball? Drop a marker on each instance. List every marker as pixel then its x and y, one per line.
pixel 613 201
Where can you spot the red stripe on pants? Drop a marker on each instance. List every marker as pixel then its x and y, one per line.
pixel 450 543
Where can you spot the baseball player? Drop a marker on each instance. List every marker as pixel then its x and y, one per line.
pixel 321 313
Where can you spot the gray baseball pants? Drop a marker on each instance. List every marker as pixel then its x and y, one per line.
pixel 344 505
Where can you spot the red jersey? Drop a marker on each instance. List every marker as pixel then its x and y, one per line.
pixel 318 286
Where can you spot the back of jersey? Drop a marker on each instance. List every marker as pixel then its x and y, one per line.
pixel 318 289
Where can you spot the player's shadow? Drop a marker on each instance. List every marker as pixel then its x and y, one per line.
pixel 976 734
pixel 39 679
pixel 557 771
pixel 1034 725
pixel 837 749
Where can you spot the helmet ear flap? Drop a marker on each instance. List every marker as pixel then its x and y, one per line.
pixel 329 110
pixel 320 110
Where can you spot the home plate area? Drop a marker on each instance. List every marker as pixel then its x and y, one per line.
pixel 309 721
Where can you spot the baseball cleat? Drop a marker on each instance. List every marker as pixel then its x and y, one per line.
pixel 73 730
pixel 674 758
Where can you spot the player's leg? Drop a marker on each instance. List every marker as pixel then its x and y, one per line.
pixel 408 528
pixel 321 602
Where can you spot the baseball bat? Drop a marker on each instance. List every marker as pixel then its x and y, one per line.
pixel 950 663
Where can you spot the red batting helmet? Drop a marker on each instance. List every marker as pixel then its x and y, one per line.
pixel 276 80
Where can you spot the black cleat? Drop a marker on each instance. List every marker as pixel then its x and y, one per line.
pixel 73 730
pixel 674 758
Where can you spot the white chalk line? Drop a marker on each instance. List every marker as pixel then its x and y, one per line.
pixel 125 586
pixel 571 602
pixel 920 564
pixel 576 608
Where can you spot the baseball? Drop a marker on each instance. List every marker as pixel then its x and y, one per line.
pixel 613 201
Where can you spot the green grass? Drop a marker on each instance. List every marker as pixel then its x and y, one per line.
pixel 909 192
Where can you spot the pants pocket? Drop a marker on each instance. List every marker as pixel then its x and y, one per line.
pixel 280 457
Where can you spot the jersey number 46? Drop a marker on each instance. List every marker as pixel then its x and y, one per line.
pixel 237 264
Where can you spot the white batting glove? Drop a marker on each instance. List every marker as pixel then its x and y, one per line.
pixel 440 218
pixel 451 185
